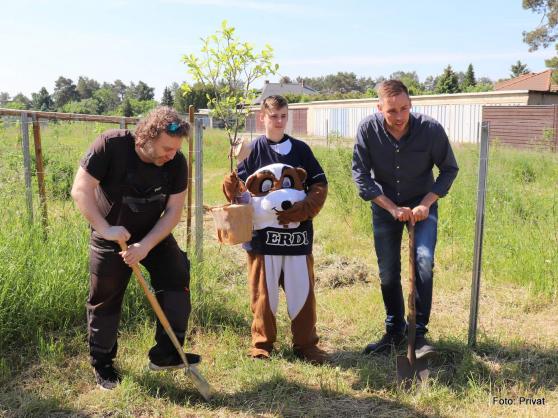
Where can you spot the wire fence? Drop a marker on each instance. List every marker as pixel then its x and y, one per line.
pixel 40 156
pixel 521 219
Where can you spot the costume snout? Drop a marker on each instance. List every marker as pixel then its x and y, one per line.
pixel 266 207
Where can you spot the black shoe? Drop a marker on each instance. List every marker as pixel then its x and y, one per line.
pixel 385 344
pixel 423 347
pixel 173 361
pixel 107 377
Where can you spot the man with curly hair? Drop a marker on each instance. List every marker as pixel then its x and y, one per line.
pixel 131 187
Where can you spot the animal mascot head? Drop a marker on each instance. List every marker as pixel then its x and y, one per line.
pixel 275 188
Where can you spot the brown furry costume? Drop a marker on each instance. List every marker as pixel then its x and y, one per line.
pixel 280 205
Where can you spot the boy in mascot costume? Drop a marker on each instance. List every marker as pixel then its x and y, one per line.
pixel 287 188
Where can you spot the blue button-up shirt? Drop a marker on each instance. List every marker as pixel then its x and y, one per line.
pixel 402 170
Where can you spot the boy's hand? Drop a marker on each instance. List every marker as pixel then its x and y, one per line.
pixel 306 209
pixel 297 213
pixel 232 186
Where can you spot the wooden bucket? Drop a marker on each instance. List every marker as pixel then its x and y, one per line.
pixel 233 223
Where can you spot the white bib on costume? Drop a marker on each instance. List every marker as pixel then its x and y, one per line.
pixel 296 281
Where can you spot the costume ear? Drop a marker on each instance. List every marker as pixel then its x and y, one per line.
pixel 301 172
pixel 250 182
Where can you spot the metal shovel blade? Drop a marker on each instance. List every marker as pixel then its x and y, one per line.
pixel 199 381
pixel 408 373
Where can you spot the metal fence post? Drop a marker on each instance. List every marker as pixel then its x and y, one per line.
pixel 27 164
pixel 40 171
pixel 327 132
pixel 190 159
pixel 198 185
pixel 252 125
pixel 479 229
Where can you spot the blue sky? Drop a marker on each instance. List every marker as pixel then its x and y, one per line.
pixel 145 40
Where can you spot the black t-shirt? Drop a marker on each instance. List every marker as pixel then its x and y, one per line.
pixel 274 241
pixel 112 160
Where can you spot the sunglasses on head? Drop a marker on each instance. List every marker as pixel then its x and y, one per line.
pixel 173 127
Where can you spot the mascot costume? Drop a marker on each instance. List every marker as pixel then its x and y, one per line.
pixel 280 252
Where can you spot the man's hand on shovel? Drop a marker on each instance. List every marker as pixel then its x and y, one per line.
pixel 134 253
pixel 115 233
pixel 420 213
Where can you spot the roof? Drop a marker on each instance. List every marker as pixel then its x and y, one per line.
pixel 531 81
pixel 271 89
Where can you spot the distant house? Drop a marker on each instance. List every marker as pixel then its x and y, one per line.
pixel 531 81
pixel 271 89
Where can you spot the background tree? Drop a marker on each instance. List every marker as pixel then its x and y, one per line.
pixel 178 95
pixel 141 91
pixel 42 101
pixel 64 92
pixel 229 67
pixel 411 81
pixel 317 83
pixel 518 69
pixel 141 107
pixel 480 87
pixel 167 99
pixel 86 87
pixel 4 98
pixel 120 89
pixel 107 99
pixel 484 80
pixel 285 79
pixel 297 98
pixel 429 84
pixel 447 82
pixel 86 106
pixel 342 82
pixel 196 95
pixel 469 80
pixel 127 108
pixel 547 31
pixel 20 101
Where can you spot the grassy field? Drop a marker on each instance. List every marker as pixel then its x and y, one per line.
pixel 44 368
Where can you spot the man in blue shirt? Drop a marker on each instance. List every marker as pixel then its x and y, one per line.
pixel 394 153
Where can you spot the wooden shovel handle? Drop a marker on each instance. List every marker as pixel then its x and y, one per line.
pixel 412 315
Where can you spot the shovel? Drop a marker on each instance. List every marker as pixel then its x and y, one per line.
pixel 191 371
pixel 408 367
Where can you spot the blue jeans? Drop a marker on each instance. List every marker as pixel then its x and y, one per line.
pixel 387 241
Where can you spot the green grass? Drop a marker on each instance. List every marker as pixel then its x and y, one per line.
pixel 43 286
